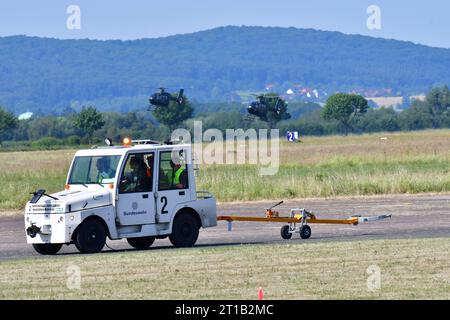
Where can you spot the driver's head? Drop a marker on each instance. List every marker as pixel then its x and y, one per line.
pixel 133 163
pixel 137 162
pixel 100 164
pixel 176 161
pixel 175 165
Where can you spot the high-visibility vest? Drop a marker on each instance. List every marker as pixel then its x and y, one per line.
pixel 176 176
pixel 101 176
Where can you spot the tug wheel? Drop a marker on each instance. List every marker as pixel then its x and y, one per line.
pixel 141 243
pixel 90 236
pixel 47 248
pixel 305 232
pixel 184 231
pixel 285 234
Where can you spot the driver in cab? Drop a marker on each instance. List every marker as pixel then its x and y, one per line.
pixel 179 175
pixel 137 179
pixel 104 170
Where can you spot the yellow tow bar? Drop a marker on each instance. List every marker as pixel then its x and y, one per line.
pixel 298 216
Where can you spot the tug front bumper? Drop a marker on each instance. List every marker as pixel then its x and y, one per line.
pixel 50 228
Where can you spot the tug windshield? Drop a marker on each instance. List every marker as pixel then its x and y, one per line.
pixel 94 170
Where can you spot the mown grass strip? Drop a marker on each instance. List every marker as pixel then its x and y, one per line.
pixel 409 269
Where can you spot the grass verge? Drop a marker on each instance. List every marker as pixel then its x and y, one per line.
pixel 409 268
pixel 412 162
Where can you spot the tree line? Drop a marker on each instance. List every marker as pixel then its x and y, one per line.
pixel 342 114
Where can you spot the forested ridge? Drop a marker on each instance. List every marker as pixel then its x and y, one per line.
pixel 49 76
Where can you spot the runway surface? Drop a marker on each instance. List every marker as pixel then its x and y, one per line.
pixel 413 216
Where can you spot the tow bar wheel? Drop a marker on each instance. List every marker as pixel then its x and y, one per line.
pixel 305 232
pixel 285 234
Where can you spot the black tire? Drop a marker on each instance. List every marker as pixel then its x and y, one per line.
pixel 90 236
pixel 285 234
pixel 47 248
pixel 141 243
pixel 184 231
pixel 305 232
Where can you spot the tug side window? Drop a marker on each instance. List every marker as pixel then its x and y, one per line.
pixel 137 175
pixel 172 172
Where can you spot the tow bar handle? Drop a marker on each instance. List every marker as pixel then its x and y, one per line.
pixel 374 218
pixel 276 205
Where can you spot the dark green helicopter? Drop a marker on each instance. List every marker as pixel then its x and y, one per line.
pixel 269 107
pixel 163 98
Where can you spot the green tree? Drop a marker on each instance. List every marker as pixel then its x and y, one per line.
pixel 376 120
pixel 344 107
pixel 438 101
pixel 7 122
pixel 416 117
pixel 174 114
pixel 89 120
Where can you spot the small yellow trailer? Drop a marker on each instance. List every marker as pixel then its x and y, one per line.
pixel 298 221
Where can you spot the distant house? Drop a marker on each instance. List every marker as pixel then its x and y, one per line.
pixel 386 102
pixel 421 97
pixel 25 116
pixel 393 101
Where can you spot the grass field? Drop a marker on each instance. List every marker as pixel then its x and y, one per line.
pixel 409 269
pixel 332 166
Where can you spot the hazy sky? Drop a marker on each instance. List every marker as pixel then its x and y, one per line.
pixel 423 22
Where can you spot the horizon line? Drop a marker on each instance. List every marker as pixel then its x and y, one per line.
pixel 219 27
